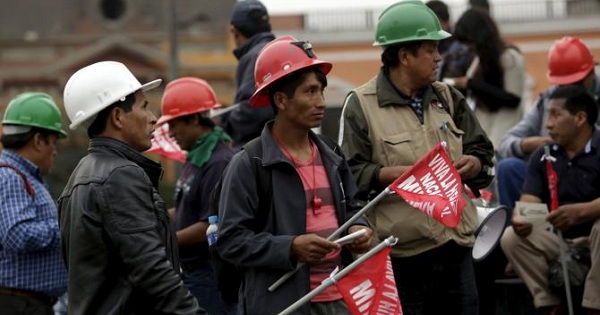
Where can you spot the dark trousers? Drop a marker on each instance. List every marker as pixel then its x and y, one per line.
pixel 19 305
pixel 439 281
pixel 201 283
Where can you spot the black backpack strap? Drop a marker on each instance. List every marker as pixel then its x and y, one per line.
pixel 28 186
pixel 263 180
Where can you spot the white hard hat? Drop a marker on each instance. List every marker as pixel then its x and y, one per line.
pixel 97 86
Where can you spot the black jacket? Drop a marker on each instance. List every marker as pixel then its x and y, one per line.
pixel 266 253
pixel 246 122
pixel 117 241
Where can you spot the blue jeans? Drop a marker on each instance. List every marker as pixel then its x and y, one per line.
pixel 510 178
pixel 201 283
pixel 438 281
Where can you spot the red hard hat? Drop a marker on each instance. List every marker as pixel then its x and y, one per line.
pixel 186 96
pixel 569 61
pixel 281 57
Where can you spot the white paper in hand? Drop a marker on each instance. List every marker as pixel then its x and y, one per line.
pixel 351 237
pixel 534 213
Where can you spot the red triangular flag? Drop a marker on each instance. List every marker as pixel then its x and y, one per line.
pixel 552 184
pixel 166 146
pixel 433 186
pixel 371 288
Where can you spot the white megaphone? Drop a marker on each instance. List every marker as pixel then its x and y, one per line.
pixel 490 229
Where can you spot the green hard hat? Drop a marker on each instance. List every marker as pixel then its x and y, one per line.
pixel 34 109
pixel 406 21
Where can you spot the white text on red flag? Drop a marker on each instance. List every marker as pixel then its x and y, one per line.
pixel 433 186
pixel 371 288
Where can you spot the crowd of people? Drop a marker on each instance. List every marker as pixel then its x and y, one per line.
pixel 110 241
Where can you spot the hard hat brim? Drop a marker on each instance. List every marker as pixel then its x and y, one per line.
pixel 569 79
pixel 92 114
pixel 260 98
pixel 435 36
pixel 151 85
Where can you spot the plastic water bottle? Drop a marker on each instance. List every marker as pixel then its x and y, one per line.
pixel 212 230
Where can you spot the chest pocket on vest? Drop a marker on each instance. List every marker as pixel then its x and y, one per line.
pixel 398 149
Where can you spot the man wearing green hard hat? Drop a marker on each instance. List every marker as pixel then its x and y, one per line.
pixel 389 123
pixel 32 272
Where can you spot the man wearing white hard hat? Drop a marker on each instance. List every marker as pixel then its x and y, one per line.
pixel 117 241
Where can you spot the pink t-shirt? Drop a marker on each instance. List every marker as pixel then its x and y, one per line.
pixel 319 220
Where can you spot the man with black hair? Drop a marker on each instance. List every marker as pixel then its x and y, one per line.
pixel 575 146
pixel 440 9
pixel 570 61
pixel 387 125
pixel 456 56
pixel 32 272
pixel 483 5
pixel 117 239
pixel 185 107
pixel 310 196
pixel 251 31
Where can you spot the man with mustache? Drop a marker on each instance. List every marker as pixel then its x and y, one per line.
pixel 118 244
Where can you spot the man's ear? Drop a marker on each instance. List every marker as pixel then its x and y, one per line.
pixel 281 100
pixel 39 141
pixel 580 118
pixel 116 116
pixel 403 55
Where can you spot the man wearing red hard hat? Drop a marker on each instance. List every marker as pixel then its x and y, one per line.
pixel 186 106
pixel 569 62
pixel 273 229
pixel 570 66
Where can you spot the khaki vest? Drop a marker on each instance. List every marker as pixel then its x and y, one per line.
pixel 398 138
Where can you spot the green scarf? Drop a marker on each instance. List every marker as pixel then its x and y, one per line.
pixel 202 150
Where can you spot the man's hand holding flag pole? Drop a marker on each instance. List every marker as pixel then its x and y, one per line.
pixel 375 293
pixel 432 185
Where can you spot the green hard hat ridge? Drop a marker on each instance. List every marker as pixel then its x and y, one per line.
pixel 34 109
pixel 407 21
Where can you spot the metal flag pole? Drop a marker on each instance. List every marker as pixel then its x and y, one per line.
pixel 390 241
pixel 561 241
pixel 220 111
pixel 335 234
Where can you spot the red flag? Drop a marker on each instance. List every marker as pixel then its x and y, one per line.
pixel 164 145
pixel 433 186
pixel 552 184
pixel 371 288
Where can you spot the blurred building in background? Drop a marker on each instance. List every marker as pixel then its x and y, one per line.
pixel 344 37
pixel 43 42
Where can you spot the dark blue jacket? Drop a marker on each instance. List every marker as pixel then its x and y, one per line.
pixel 245 122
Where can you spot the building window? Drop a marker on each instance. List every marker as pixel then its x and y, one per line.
pixel 113 10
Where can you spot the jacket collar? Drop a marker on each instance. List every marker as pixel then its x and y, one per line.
pixel 123 150
pixel 591 147
pixel 251 42
pixel 272 154
pixel 594 142
pixel 387 94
